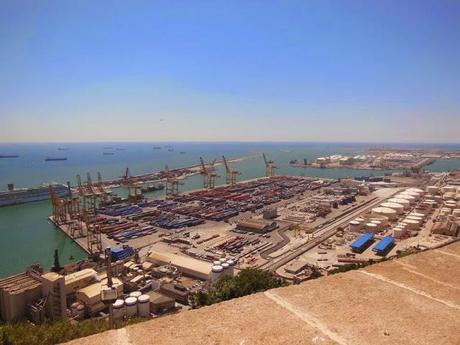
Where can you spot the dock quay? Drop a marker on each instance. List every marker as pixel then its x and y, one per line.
pixel 159 176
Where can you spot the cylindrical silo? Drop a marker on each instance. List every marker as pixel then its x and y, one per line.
pixel 216 273
pixel 135 294
pixel 119 309
pixel 385 211
pixel 395 206
pixel 143 305
pixel 355 226
pixel 131 306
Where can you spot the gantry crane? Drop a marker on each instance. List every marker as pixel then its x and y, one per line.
pixel 93 235
pixel 86 197
pixel 104 191
pixel 134 190
pixel 59 207
pixel 230 174
pixel 172 183
pixel 209 176
pixel 270 167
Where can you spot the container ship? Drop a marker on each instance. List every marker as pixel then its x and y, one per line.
pixel 51 159
pixel 15 196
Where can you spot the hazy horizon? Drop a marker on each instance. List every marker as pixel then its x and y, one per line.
pixel 296 71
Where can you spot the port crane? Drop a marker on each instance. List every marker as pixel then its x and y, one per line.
pixel 172 183
pixel 270 167
pixel 134 190
pixel 230 174
pixel 209 176
pixel 59 206
pixel 86 196
pixel 104 191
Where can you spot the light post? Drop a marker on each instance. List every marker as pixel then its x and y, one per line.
pixel 109 294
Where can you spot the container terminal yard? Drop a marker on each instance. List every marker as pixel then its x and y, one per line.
pixel 162 249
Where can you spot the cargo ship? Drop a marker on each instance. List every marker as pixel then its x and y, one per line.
pixel 51 159
pixel 9 156
pixel 15 196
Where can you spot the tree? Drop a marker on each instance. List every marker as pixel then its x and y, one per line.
pixel 248 281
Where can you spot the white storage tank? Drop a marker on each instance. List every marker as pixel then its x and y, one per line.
pixel 143 305
pixel 449 196
pixel 417 214
pixel 225 267
pixel 399 232
pixel 395 206
pixel 445 211
pixel 131 306
pixel 415 195
pixel 417 219
pixel 360 220
pixel 415 190
pixel 432 189
pixel 385 211
pixel 231 268
pixel 355 226
pixel 216 273
pixel 371 227
pixel 449 189
pixel 119 309
pixel 222 260
pixel 409 198
pixel 411 224
pixel 135 294
pixel 404 202
pixel 451 204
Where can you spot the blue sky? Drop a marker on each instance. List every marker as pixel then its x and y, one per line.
pixel 230 70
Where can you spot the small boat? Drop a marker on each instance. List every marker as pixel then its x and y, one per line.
pixel 170 150
pixel 157 147
pixel 182 152
pixel 9 156
pixel 63 149
pixel 108 153
pixel 51 159
pixel 293 161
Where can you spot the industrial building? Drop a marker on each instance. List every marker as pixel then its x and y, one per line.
pixel 186 265
pixel 384 246
pixel 257 225
pixel 362 243
pixel 17 292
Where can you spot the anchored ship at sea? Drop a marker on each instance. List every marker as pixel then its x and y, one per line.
pixel 50 159
pixel 15 196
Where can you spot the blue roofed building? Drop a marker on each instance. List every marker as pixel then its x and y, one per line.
pixel 362 243
pixel 384 246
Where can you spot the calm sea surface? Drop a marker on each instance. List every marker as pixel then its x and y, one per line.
pixel 27 237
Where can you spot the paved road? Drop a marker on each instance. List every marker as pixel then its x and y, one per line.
pixel 324 233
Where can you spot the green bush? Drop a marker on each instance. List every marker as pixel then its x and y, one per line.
pixel 50 333
pixel 248 281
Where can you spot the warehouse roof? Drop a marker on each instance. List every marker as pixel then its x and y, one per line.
pixel 362 241
pixel 384 244
pixel 180 261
